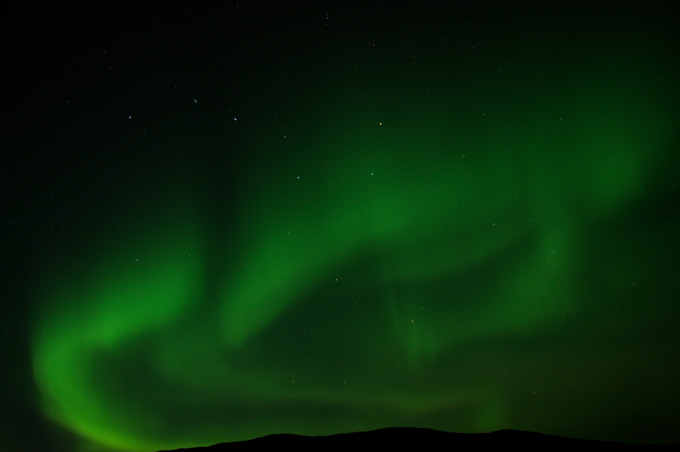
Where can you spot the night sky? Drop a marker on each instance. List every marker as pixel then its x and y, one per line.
pixel 223 224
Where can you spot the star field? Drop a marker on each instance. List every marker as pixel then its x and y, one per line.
pixel 314 222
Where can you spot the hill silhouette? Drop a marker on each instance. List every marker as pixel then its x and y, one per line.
pixel 423 439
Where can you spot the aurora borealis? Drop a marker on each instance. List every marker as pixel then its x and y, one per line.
pixel 247 222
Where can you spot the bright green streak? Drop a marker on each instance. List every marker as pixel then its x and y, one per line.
pixel 462 225
pixel 124 299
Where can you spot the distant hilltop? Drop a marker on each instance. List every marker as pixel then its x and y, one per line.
pixel 423 439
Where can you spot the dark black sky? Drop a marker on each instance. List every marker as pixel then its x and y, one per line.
pixel 224 223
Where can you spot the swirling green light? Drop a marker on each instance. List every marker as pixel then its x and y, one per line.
pixel 356 280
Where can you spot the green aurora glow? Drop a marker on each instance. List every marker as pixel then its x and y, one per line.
pixel 443 246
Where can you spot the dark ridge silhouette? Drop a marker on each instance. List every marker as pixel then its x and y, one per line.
pixel 423 439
